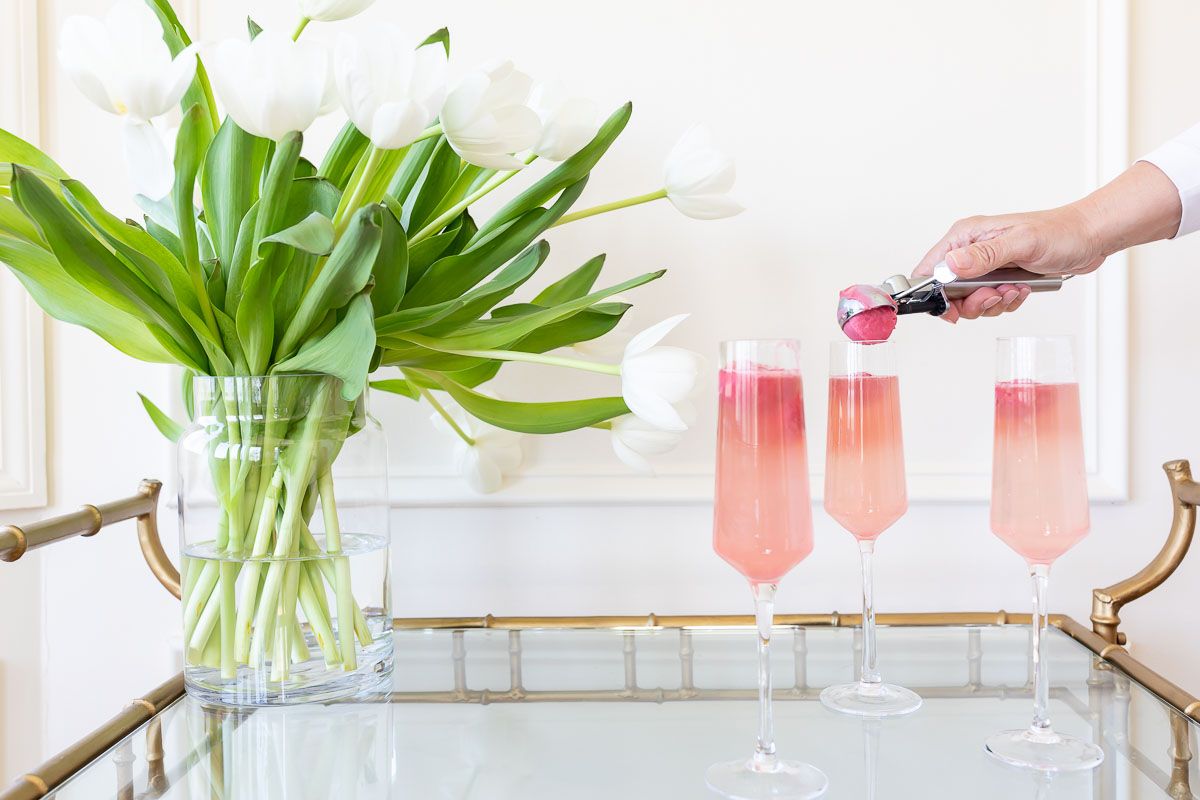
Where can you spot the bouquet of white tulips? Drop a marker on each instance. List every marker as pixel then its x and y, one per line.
pixel 252 260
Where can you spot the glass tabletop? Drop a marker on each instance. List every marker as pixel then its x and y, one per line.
pixel 488 714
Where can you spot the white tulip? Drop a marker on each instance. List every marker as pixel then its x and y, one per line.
pixel 271 86
pixel 654 378
pixel 122 64
pixel 332 10
pixel 633 438
pixel 698 177
pixel 568 123
pixel 149 153
pixel 390 92
pixel 487 118
pixel 493 453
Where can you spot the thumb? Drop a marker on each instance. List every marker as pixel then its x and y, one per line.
pixel 980 258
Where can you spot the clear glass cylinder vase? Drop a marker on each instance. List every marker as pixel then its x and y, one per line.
pixel 283 513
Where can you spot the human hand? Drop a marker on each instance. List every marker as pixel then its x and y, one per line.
pixel 1060 241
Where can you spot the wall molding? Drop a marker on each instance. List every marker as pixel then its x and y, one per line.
pixel 1106 330
pixel 22 353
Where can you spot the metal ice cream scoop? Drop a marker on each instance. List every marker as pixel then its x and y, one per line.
pixel 932 294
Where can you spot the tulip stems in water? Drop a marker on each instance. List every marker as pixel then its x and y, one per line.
pixel 341 571
pixel 613 206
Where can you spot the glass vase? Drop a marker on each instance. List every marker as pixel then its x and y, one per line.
pixel 283 515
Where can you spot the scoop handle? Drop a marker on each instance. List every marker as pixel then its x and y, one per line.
pixel 1006 275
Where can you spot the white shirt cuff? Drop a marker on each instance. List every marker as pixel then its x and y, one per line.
pixel 1179 159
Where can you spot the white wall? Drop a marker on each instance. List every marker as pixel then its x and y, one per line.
pixel 862 131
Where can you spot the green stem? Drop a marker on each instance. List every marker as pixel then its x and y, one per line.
pixel 318 617
pixel 357 192
pixel 262 539
pixel 649 197
pixel 428 133
pixel 228 580
pixel 490 185
pixel 446 416
pixel 300 26
pixel 341 571
pixel 309 545
pixel 304 454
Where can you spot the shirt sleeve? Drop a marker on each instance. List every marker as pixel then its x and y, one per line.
pixel 1179 159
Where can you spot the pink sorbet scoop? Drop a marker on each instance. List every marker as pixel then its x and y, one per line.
pixel 866 313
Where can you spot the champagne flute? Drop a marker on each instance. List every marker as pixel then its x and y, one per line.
pixel 865 492
pixel 1040 510
pixel 763 527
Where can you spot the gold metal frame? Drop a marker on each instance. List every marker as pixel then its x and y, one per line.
pixel 1107 603
pixel 16 541
pixel 1104 640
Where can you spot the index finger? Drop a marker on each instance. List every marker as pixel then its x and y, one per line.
pixel 936 254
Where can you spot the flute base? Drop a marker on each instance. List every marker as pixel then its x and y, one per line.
pixel 870 699
pixel 759 778
pixel 1044 751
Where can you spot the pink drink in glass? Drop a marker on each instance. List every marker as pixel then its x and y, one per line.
pixel 763 518
pixel 1039 488
pixel 864 462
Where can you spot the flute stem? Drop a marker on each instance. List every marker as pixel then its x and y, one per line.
pixel 764 612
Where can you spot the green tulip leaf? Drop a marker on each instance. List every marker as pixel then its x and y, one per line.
pixel 440 36
pixel 412 166
pixel 539 418
pixel 422 254
pixel 343 155
pixel 14 223
pixel 15 150
pixel 64 299
pixel 391 265
pixel 493 334
pixel 343 276
pixel 413 318
pixel 344 352
pixel 452 275
pixel 440 176
pixel 229 184
pixel 255 318
pixel 396 386
pixel 477 301
pixel 272 208
pixel 313 234
pixel 577 284
pixel 91 264
pixel 166 426
pixel 571 171
pixel 156 264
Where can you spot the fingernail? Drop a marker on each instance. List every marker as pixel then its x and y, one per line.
pixel 959 260
pixel 991 302
pixel 1011 295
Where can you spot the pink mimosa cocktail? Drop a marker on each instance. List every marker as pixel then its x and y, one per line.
pixel 864 462
pixel 1039 487
pixel 762 525
pixel 1040 510
pixel 763 517
pixel 865 492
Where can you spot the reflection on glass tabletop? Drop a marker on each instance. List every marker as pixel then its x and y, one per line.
pixel 488 714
